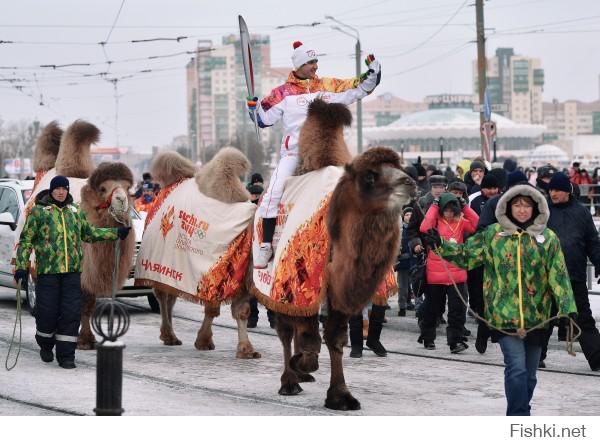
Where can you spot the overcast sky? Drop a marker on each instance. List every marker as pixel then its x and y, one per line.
pixel 425 47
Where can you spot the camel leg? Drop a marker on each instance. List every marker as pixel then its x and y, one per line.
pixel 289 379
pixel 204 340
pixel 336 336
pixel 240 310
pixel 166 303
pixel 86 339
pixel 307 345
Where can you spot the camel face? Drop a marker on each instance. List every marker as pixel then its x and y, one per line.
pixel 404 187
pixel 384 186
pixel 115 194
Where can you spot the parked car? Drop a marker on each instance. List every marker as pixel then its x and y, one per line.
pixel 13 197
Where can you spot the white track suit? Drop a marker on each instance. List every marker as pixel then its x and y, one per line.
pixel 289 103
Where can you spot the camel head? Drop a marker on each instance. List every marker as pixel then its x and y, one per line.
pixel 74 157
pixel 109 188
pixel 380 181
pixel 220 177
pixel 46 147
pixel 321 139
pixel 169 167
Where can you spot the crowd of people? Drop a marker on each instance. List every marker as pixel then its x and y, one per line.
pixel 513 248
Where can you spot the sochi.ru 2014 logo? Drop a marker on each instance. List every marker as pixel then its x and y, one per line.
pixel 166 221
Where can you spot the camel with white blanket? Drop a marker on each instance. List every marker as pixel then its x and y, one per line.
pixel 196 243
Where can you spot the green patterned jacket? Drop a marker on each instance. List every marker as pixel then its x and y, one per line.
pixel 523 270
pixel 56 234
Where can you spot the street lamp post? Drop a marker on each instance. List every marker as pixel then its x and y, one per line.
pixel 441 150
pixel 494 145
pixel 357 55
pixel 402 151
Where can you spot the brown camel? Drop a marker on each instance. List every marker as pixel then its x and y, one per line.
pixel 218 179
pixel 106 202
pixel 364 232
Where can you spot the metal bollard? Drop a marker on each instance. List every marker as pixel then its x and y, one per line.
pixel 111 321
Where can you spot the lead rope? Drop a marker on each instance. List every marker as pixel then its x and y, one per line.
pixel 521 333
pixel 12 341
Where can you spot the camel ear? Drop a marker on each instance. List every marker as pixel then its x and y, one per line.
pixel 349 169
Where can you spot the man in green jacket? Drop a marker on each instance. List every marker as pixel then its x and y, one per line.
pixel 55 229
pixel 523 272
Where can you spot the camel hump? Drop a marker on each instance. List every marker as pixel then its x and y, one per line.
pixel 114 171
pixel 169 167
pixel 74 158
pixel 321 139
pixel 46 147
pixel 374 157
pixel 220 177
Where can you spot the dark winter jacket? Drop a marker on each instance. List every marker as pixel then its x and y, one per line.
pixel 55 234
pixel 578 236
pixel 420 208
pixel 404 260
pixel 478 203
pixel 488 213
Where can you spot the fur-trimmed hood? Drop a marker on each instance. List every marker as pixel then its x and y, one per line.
pixel 46 147
pixel 539 222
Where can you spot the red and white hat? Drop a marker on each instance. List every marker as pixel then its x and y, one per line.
pixel 302 54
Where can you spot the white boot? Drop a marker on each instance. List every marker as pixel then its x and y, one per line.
pixel 264 255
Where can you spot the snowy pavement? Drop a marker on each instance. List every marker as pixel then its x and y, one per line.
pixel 162 380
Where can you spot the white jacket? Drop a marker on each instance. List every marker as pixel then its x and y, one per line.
pixel 289 102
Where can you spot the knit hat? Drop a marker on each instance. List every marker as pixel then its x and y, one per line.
pixel 510 165
pixel 477 165
pixel 500 174
pixel 59 181
pixel 438 179
pixel 560 181
pixel 406 209
pixel 514 178
pixel 446 198
pixel 256 178
pixel 411 171
pixel 489 182
pixel 302 54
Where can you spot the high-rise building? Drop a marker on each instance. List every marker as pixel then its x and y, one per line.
pixel 566 120
pixel 216 92
pixel 518 82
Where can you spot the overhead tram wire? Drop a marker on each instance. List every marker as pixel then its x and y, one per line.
pixel 428 39
pixel 438 58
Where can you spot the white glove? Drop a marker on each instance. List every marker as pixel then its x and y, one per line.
pixel 375 66
pixel 373 76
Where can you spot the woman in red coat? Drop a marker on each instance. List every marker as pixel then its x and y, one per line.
pixel 454 220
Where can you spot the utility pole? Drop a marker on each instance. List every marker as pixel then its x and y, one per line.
pixel 481 62
pixel 359 129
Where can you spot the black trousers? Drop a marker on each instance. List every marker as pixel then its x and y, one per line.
pixel 456 312
pixel 589 339
pixel 58 312
pixel 254 311
pixel 475 286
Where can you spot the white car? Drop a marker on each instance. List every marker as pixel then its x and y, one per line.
pixel 13 197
